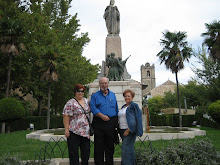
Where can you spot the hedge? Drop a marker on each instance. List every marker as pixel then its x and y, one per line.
pixel 156 120
pixel 187 120
pixel 40 122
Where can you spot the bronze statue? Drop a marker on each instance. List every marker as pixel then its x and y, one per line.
pixel 112 18
pixel 121 69
pixel 116 67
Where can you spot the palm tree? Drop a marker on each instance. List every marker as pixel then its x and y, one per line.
pixel 10 33
pixel 50 75
pixel 173 54
pixel 10 44
pixel 212 39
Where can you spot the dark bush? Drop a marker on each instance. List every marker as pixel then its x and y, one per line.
pixel 171 120
pixel 188 152
pixel 40 122
pixel 11 109
pixel 214 111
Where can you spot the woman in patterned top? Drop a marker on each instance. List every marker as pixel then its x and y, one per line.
pixel 77 126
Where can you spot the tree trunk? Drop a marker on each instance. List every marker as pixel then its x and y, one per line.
pixel 7 85
pixel 8 76
pixel 48 109
pixel 178 95
pixel 3 127
pixel 9 128
pixel 40 98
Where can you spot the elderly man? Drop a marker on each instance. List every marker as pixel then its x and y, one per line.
pixel 104 107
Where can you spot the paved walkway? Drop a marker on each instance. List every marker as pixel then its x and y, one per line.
pixel 65 161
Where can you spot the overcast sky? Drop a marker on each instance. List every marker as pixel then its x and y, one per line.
pixel 141 26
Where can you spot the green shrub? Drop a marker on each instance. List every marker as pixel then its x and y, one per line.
pixel 40 122
pixel 171 120
pixel 11 109
pixel 188 152
pixel 214 111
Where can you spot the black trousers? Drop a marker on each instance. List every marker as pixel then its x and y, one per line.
pixel 75 142
pixel 104 140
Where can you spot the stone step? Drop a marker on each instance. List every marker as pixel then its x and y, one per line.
pixel 65 161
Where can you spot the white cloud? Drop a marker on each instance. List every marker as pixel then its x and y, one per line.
pixel 142 24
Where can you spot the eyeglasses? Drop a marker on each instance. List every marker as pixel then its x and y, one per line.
pixel 82 91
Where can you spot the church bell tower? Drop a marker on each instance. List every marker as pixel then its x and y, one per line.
pixel 148 78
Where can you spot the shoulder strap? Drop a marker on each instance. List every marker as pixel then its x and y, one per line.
pixel 80 105
pixel 82 109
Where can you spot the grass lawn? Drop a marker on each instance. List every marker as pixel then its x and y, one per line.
pixel 16 144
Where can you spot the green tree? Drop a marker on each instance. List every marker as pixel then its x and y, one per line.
pixel 214 111
pixel 173 54
pixel 170 100
pixel 11 33
pixel 50 75
pixel 11 36
pixel 196 94
pixel 11 109
pixel 212 39
pixel 208 74
pixel 155 104
pixel 53 40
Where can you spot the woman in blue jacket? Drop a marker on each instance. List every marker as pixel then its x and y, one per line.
pixel 130 124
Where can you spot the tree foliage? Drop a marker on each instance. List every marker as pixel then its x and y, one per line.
pixel 208 74
pixel 155 104
pixel 212 39
pixel 10 109
pixel 175 50
pixel 54 47
pixel 214 111
pixel 11 34
pixel 196 95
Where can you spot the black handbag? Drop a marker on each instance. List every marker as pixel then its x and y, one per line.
pixel 91 129
pixel 116 137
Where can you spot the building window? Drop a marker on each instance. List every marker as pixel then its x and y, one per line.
pixel 148 73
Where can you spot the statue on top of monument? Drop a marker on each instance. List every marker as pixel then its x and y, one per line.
pixel 112 18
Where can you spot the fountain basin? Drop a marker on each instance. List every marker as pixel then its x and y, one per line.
pixel 169 133
pixel 156 133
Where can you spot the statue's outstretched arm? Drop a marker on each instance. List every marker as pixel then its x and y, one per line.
pixel 127 58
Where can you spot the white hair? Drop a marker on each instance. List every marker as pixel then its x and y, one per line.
pixel 103 78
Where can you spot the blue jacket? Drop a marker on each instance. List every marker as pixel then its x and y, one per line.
pixel 134 119
pixel 107 105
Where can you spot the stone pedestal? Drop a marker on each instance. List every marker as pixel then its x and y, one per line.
pixel 118 87
pixel 113 45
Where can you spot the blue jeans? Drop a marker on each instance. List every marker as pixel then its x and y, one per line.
pixel 127 148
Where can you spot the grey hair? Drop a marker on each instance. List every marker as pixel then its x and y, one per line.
pixel 103 78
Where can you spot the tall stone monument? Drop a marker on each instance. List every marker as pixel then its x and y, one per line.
pixel 113 44
pixel 114 66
